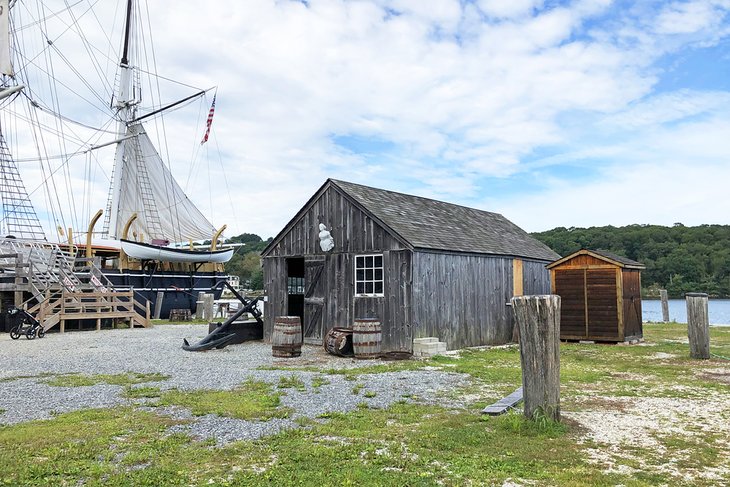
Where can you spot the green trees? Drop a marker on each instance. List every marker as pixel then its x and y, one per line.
pixel 246 260
pixel 679 259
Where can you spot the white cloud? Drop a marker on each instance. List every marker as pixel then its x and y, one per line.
pixel 658 175
pixel 512 9
pixel 458 98
pixel 688 17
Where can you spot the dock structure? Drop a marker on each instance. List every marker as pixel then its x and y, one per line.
pixel 55 287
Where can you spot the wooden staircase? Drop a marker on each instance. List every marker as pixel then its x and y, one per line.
pixel 92 305
pixel 58 294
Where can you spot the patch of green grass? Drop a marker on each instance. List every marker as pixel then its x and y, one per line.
pixel 704 450
pixel 319 381
pixel 356 390
pixel 292 382
pixel 93 447
pixel 168 322
pixel 370 394
pixel 17 377
pixel 82 380
pixel 405 444
pixel 251 400
pixel 142 392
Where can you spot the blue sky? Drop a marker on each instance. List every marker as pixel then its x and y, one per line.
pixel 553 113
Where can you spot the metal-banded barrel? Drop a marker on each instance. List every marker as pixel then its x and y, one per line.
pixel 338 341
pixel 366 338
pixel 286 339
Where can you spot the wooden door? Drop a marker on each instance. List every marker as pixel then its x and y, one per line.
pixel 570 286
pixel 314 298
pixel 601 299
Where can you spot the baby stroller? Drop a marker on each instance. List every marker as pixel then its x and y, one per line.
pixel 25 325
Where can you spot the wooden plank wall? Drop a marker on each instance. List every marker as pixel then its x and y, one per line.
pixel 461 299
pixel 354 233
pixel 275 292
pixel 632 303
pixel 535 277
pixel 570 286
pixel 603 311
pixel 351 229
pixel 341 307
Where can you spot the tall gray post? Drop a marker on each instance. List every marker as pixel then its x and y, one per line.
pixel 698 325
pixel 199 306
pixel 665 305
pixel 158 304
pixel 538 319
pixel 208 302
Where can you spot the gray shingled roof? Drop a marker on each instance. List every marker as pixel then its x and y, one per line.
pixel 431 224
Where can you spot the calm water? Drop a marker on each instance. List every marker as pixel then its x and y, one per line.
pixel 719 310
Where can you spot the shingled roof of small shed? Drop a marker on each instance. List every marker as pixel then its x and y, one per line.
pixel 605 255
pixel 430 224
pixel 618 258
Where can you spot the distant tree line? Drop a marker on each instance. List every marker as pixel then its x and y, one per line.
pixel 246 260
pixel 679 259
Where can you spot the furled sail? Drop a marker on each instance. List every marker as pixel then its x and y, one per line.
pixel 147 187
pixel 6 67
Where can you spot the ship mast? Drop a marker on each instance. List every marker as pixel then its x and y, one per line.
pixel 125 113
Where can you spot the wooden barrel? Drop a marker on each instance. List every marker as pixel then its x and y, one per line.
pixel 366 338
pixel 286 339
pixel 338 341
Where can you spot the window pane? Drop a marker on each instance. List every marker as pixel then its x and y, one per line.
pixel 360 288
pixel 368 288
pixel 378 288
pixel 378 274
pixel 360 262
pixel 369 261
pixel 360 275
pixel 369 275
pixel 378 261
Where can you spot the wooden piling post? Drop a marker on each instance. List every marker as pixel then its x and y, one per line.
pixel 538 319
pixel 199 306
pixel 665 305
pixel 698 325
pixel 158 304
pixel 209 300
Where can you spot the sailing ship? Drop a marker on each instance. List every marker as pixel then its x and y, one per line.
pixel 146 207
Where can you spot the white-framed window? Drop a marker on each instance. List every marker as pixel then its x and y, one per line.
pixel 369 275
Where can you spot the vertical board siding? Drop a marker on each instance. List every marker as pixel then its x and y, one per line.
pixel 535 278
pixel 461 299
pixel 632 303
pixel 354 232
pixel 603 318
pixel 275 289
pixel 351 229
pixel 570 286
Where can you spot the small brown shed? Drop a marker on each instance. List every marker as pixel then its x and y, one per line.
pixel 600 296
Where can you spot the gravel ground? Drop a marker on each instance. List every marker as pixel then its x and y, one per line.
pixel 157 350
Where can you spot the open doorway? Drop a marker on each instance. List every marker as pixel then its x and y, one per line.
pixel 295 287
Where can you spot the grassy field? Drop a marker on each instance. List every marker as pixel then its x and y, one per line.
pixel 632 415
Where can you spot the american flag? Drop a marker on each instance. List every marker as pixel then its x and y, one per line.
pixel 209 122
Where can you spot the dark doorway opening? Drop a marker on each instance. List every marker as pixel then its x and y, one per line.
pixel 295 287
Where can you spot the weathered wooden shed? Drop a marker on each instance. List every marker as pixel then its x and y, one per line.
pixel 423 267
pixel 600 296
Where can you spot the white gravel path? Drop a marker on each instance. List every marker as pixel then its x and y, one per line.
pixel 158 350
